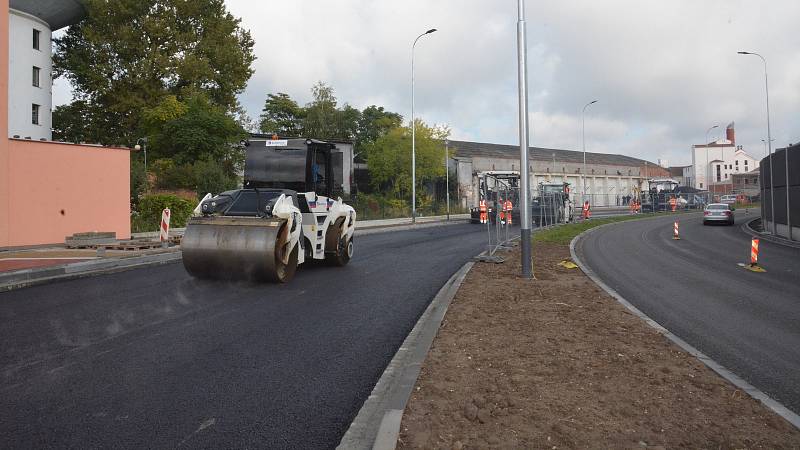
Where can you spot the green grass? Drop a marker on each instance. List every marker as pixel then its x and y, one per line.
pixel 563 234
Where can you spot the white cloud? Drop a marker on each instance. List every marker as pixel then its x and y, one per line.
pixel 663 71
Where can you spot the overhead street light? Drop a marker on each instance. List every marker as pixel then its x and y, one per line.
pixel 769 147
pixel 708 177
pixel 413 135
pixel 524 201
pixel 583 139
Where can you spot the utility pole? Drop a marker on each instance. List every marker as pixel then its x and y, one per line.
pixel 524 201
pixel 413 135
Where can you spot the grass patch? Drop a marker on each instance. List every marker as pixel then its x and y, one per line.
pixel 563 234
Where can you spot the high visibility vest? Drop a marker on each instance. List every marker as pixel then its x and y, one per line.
pixel 509 206
pixel 482 206
pixel 585 206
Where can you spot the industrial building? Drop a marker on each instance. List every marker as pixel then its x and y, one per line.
pixel 609 178
pixel 714 163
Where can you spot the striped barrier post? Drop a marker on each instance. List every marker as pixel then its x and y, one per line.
pixel 754 252
pixel 675 234
pixel 165 227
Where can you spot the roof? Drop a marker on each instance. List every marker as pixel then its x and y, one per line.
pixel 466 149
pixel 57 13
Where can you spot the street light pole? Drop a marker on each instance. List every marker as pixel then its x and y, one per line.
pixel 708 178
pixel 413 135
pixel 524 201
pixel 583 140
pixel 447 177
pixel 769 147
pixel 144 142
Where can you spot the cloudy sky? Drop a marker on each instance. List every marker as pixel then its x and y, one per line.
pixel 662 71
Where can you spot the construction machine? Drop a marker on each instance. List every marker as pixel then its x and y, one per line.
pixel 285 215
pixel 493 186
pixel 552 204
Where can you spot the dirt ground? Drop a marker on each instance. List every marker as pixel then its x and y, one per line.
pixel 557 363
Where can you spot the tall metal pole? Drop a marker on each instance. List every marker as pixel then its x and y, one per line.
pixel 708 182
pixel 769 147
pixel 447 177
pixel 524 201
pixel 413 136
pixel 583 140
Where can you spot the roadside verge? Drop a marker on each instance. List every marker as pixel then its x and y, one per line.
pixel 556 362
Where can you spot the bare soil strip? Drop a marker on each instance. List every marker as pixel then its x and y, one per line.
pixel 557 363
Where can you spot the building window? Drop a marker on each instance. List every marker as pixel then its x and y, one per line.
pixel 737 162
pixel 719 178
pixel 701 185
pixel 36 35
pixel 746 181
pixel 36 72
pixel 35 114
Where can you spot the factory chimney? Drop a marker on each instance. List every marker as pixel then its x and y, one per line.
pixel 729 134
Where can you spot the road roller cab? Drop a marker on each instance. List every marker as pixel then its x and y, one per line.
pixel 284 216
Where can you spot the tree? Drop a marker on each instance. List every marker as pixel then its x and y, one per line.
pixel 282 115
pixel 374 123
pixel 321 114
pixel 127 55
pixel 389 158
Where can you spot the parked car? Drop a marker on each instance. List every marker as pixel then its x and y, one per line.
pixel 718 213
pixel 728 199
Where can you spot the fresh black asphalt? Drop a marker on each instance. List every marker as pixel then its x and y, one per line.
pixel 748 322
pixel 152 358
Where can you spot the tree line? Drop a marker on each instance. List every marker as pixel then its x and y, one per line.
pixel 170 71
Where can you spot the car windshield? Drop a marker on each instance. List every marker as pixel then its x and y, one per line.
pixel 717 206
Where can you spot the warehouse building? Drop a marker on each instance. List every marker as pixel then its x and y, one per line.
pixel 609 178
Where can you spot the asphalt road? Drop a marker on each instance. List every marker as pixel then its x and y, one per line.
pixel 748 322
pixel 152 358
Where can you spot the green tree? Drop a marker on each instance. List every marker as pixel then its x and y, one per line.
pixel 374 123
pixel 281 115
pixel 321 114
pixel 127 55
pixel 389 158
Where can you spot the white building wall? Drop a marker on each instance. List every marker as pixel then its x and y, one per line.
pixel 21 92
pixel 730 159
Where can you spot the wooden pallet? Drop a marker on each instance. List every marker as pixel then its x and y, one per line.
pixel 132 245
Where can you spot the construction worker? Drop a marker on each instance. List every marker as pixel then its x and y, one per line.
pixel 502 208
pixel 633 206
pixel 673 203
pixel 482 210
pixel 509 207
pixel 587 214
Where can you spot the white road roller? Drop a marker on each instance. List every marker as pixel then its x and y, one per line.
pixel 284 216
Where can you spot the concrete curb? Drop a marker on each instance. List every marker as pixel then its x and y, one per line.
pixel 757 394
pixel 32 277
pixel 377 424
pixel 767 237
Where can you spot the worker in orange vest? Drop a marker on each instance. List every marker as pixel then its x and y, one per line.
pixel 673 203
pixel 633 206
pixel 482 210
pixel 501 208
pixel 587 210
pixel 508 206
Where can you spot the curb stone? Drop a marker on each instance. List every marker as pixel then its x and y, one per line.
pixel 767 237
pixel 734 379
pixel 377 423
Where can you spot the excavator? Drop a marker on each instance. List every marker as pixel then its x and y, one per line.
pixel 283 216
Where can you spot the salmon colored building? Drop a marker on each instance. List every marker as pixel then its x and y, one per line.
pixel 49 190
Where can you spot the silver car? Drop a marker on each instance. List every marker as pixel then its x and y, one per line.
pixel 718 213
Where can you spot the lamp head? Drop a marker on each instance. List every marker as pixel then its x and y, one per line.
pixel 432 30
pixel 744 53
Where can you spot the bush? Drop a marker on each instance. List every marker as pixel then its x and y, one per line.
pixel 212 177
pixel 147 216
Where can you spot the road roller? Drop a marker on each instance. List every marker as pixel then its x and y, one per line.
pixel 284 215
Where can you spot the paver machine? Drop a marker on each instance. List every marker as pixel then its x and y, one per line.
pixel 493 186
pixel 284 216
pixel 552 204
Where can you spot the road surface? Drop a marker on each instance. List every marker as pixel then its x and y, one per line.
pixel 749 322
pixel 152 358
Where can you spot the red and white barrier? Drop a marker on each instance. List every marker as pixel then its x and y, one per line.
pixel 165 225
pixel 675 233
pixel 754 252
